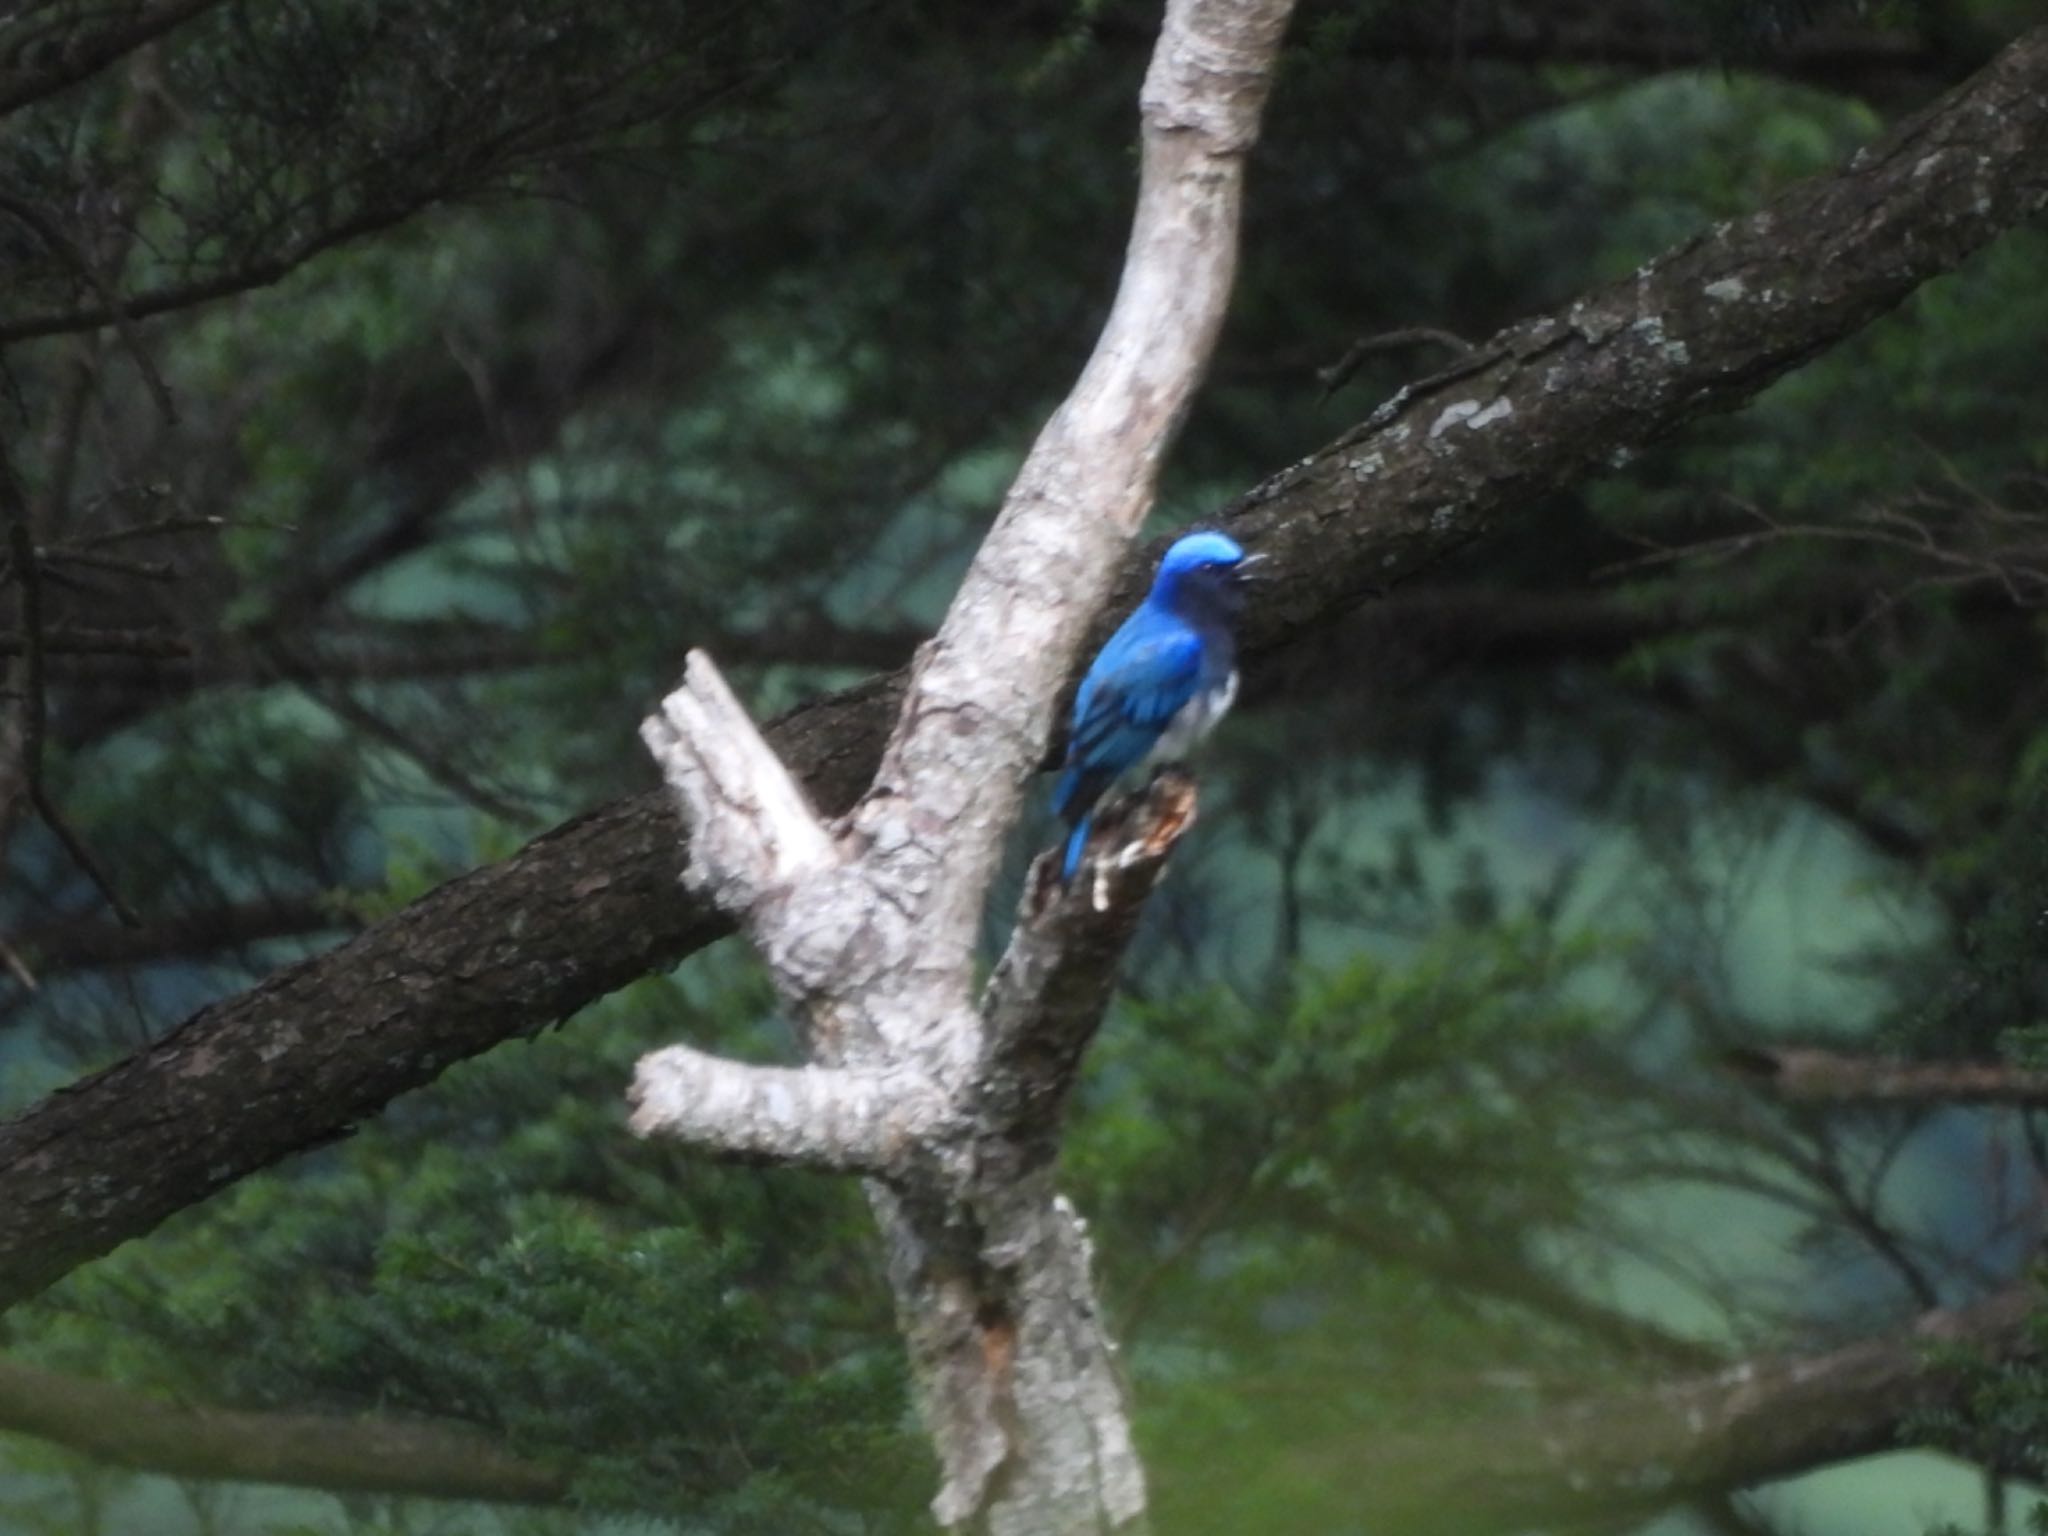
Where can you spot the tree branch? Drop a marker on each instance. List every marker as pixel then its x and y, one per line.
pixel 260 273
pixel 983 693
pixel 1636 1452
pixel 80 944
pixel 1047 995
pixel 26 567
pixel 62 246
pixel 420 1459
pixel 869 927
pixel 838 1118
pixel 78 59
pixel 588 907
pixel 1809 1073
pixel 1702 328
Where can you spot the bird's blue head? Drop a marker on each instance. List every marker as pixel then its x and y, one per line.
pixel 1201 574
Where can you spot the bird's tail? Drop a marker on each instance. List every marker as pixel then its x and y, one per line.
pixel 1077 843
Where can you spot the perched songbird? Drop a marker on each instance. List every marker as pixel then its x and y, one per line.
pixel 1161 683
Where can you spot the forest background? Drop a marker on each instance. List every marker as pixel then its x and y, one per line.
pixel 1607 957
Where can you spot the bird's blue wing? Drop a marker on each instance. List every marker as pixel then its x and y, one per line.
pixel 1138 683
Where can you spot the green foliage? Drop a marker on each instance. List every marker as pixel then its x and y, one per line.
pixel 1282 1190
pixel 2000 1418
pixel 498 1251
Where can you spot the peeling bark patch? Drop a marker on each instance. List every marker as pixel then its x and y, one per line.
pixel 1472 415
pixel 1172 803
pixel 998 1345
pixel 1464 410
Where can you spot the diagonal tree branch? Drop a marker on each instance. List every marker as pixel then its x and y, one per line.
pixel 80 57
pixel 1047 995
pixel 868 927
pixel 970 733
pixel 1702 328
pixel 586 908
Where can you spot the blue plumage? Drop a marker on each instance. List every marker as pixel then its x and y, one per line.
pixel 1161 683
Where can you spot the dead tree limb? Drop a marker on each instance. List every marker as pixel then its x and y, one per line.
pixel 868 924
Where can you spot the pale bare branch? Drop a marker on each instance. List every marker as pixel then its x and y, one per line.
pixel 982 694
pixel 841 1118
pixel 869 930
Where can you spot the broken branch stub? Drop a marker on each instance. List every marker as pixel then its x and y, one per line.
pixel 752 828
pixel 1047 995
pixel 846 1119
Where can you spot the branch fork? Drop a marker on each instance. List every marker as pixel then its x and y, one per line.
pixel 999 1070
pixel 869 927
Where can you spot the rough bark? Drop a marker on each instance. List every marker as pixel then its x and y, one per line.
pixel 413 1459
pixel 299 1059
pixel 1048 993
pixel 1702 328
pixel 1841 1077
pixel 508 950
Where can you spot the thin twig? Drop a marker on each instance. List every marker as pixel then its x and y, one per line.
pixel 141 570
pixel 158 645
pixel 171 525
pixel 35 713
pixel 18 967
pixel 117 313
pixel 1335 376
pixel 352 712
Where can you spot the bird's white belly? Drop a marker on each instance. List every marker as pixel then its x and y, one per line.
pixel 1194 720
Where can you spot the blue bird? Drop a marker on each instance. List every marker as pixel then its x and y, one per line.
pixel 1161 683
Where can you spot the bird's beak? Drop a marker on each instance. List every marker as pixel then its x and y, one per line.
pixel 1244 567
